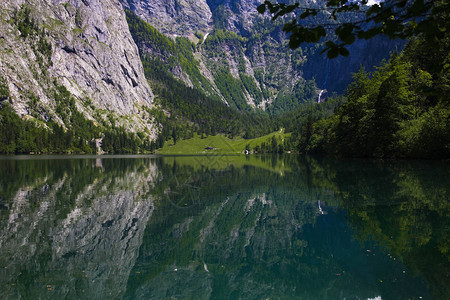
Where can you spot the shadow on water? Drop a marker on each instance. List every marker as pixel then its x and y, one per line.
pixel 223 227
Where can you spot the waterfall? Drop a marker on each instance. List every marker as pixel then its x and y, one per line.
pixel 320 208
pixel 320 95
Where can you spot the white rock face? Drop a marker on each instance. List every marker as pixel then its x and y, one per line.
pixel 173 17
pixel 93 56
pixel 185 17
pixel 241 14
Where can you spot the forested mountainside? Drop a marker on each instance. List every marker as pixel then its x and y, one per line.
pixel 93 76
pixel 244 58
pixel 197 107
pixel 401 110
pixel 71 72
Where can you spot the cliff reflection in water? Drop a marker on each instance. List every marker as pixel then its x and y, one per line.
pixel 72 228
pixel 223 228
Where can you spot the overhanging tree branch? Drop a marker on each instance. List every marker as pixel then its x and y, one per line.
pixel 396 19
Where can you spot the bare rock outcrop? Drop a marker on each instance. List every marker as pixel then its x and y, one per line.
pixel 91 53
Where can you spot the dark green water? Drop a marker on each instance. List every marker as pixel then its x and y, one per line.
pixel 223 228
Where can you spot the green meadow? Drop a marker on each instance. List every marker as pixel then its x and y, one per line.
pixel 217 144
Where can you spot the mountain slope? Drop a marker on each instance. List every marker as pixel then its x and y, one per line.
pixel 190 102
pixel 245 73
pixel 245 57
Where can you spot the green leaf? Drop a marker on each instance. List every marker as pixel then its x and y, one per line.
pixel 305 14
pixel 330 44
pixel 343 51
pixel 349 39
pixel 333 53
pixel 262 8
pixel 290 8
pixel 321 31
pixel 417 8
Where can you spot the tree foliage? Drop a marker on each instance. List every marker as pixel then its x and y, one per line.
pixel 78 135
pixel 394 19
pixel 4 90
pixel 402 110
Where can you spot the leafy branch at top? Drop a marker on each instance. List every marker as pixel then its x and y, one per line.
pixel 395 19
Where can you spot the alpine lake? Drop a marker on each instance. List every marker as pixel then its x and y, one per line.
pixel 223 227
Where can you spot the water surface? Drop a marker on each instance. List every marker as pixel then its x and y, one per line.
pixel 223 227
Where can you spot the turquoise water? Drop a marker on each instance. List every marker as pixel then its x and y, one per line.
pixel 223 227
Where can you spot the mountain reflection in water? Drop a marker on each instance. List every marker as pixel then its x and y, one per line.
pixel 223 227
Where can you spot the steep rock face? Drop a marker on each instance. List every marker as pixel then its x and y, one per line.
pixel 91 53
pixel 235 15
pixel 335 74
pixel 186 17
pixel 173 17
pixel 247 73
pixel 263 65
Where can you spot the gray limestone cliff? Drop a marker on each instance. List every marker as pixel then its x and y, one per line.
pixel 173 17
pixel 186 17
pixel 84 45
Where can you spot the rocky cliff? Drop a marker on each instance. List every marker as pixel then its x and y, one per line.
pixel 186 17
pixel 173 17
pixel 83 45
